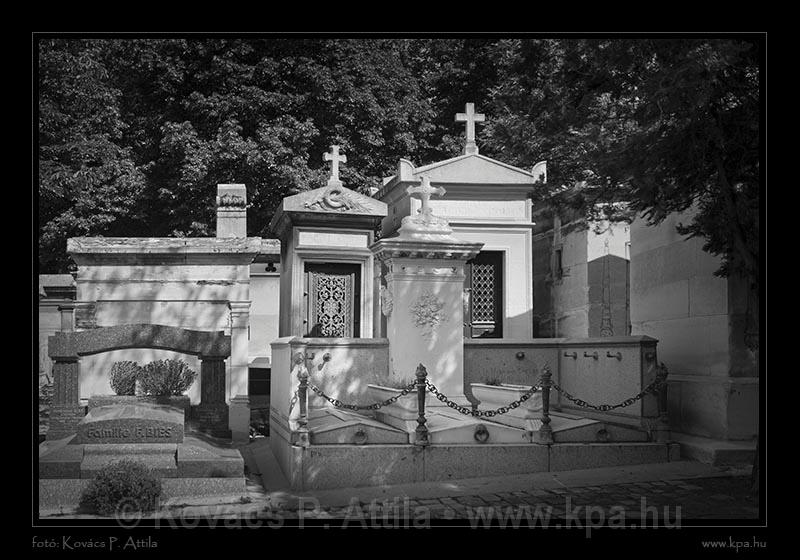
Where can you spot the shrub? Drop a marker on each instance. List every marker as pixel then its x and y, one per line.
pixel 123 377
pixel 493 381
pixel 45 403
pixel 122 486
pixel 166 377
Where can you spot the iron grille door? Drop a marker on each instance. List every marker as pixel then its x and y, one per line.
pixel 333 303
pixel 483 298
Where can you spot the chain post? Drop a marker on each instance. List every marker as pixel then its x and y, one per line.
pixel 422 429
pixel 546 431
pixel 302 397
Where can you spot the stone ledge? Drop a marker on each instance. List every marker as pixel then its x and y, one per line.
pixel 716 452
pixel 159 245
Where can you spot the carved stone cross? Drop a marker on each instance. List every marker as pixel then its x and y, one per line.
pixel 335 159
pixel 425 190
pixel 470 117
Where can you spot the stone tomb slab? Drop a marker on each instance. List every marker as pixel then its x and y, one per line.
pixel 450 427
pixel 331 426
pixel 61 462
pixel 141 422
pixel 201 459
pixel 159 457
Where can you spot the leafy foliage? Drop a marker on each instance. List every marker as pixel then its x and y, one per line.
pixel 45 404
pixel 666 125
pixel 122 486
pixel 123 377
pixel 166 377
pixel 135 134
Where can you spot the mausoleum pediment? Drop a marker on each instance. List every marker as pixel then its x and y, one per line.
pixel 474 169
pixel 333 199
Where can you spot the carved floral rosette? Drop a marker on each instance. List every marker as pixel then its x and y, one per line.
pixel 428 313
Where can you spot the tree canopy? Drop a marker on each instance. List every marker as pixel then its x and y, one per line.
pixel 134 134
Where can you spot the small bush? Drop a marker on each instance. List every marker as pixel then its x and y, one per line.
pixel 45 403
pixel 123 377
pixel 122 486
pixel 493 381
pixel 166 377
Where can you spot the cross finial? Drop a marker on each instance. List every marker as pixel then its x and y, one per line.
pixel 425 190
pixel 470 117
pixel 335 159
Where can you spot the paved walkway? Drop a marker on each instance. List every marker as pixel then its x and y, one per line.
pixel 659 493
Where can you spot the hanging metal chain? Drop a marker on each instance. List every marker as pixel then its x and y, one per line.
pixel 481 413
pixel 654 388
pixel 374 406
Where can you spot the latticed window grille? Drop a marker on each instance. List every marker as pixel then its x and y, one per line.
pixel 483 293
pixel 483 301
pixel 333 302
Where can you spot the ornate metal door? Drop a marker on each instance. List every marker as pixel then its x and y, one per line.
pixel 483 296
pixel 333 306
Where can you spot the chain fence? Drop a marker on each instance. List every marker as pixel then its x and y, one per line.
pixel 374 406
pixel 481 413
pixel 654 388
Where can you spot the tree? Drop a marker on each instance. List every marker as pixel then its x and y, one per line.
pixel 88 183
pixel 661 124
pixel 664 125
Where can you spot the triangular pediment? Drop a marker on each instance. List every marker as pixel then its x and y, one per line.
pixel 474 169
pixel 334 199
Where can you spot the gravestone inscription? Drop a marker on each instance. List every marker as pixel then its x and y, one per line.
pixel 139 422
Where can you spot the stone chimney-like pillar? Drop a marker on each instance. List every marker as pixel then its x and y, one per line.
pixel 231 210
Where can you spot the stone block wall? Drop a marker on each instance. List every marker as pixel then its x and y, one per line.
pixel 698 319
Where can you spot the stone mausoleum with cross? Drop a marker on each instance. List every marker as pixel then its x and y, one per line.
pixel 334 317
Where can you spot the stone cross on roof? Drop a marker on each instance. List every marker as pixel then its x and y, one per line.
pixel 470 117
pixel 425 190
pixel 335 159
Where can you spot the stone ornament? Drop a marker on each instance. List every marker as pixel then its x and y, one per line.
pixel 231 201
pixel 334 199
pixel 428 313
pixel 425 225
pixel 387 300
pixel 335 158
pixel 470 117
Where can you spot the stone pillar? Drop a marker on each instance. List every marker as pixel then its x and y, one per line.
pixel 423 297
pixel 239 412
pixel 67 311
pixel 65 409
pixel 211 415
pixel 231 210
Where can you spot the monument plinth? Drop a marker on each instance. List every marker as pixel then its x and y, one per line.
pixel 423 299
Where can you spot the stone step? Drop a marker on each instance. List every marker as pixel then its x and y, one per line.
pixel 715 452
pixel 196 461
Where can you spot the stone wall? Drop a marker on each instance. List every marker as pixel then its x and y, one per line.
pixel 186 283
pixel 264 312
pixel 572 304
pixel 697 318
pixel 601 370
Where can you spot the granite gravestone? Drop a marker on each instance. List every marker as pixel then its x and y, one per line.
pixel 139 422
